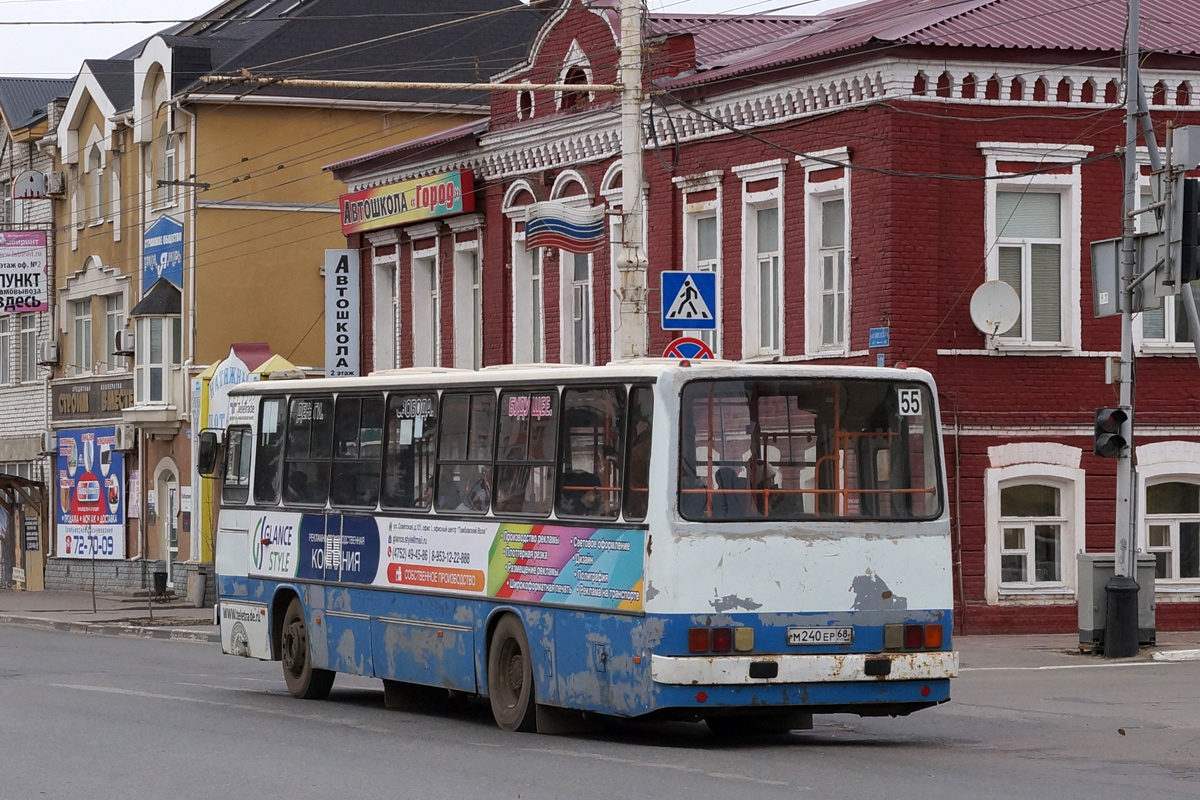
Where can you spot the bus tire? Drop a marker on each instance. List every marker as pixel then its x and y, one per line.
pixel 510 677
pixel 303 679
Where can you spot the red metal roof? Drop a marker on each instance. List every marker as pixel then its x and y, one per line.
pixel 718 35
pixel 1171 26
pixel 472 128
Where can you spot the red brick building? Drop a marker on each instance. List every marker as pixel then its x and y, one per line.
pixel 866 168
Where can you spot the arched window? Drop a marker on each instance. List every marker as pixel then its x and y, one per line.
pixel 95 171
pixel 1173 529
pixel 164 193
pixel 575 76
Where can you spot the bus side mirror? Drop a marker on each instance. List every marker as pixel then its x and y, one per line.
pixel 206 456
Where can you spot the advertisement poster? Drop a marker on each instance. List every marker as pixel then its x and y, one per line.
pixel 409 201
pixel 90 500
pixel 22 271
pixel 554 564
pixel 162 253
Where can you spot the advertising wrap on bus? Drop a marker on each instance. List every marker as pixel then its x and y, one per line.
pixel 571 566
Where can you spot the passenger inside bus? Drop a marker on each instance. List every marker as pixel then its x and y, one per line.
pixel 580 494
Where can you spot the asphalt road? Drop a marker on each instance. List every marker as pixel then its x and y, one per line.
pixel 97 717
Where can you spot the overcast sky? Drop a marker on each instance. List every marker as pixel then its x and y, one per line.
pixel 57 50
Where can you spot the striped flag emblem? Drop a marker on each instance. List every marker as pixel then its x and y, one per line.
pixel 576 230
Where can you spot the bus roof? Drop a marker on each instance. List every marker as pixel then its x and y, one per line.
pixel 629 370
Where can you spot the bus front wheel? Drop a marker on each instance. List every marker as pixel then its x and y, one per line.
pixel 510 677
pixel 303 679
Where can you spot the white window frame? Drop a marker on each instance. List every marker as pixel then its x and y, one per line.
pixel 575 58
pixel 82 336
pixel 468 305
pixel 528 284
pixel 1070 482
pixel 95 184
pixel 386 301
pixel 28 348
pixel 113 322
pixel 6 348
pixel 1171 306
pixel 577 318
pixel 816 193
pixel 1069 187
pixel 7 204
pixel 1166 462
pixel 169 363
pixel 753 292
pixel 693 212
pixel 426 312
pixel 166 166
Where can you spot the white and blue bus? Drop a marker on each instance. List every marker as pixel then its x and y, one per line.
pixel 744 544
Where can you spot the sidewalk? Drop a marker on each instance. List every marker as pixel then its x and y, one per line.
pixel 115 615
pixel 131 616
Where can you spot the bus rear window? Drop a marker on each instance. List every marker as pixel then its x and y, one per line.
pixel 808 449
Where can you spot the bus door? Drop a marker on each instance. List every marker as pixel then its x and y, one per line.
pixel 348 620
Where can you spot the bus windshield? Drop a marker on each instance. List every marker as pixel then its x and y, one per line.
pixel 808 449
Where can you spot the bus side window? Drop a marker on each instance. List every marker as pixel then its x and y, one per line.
pixel 590 456
pixel 357 446
pixel 309 444
pixel 409 451
pixel 270 451
pixel 525 452
pixel 637 452
pixel 468 425
pixel 236 485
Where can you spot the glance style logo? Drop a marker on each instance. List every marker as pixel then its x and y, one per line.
pixel 258 546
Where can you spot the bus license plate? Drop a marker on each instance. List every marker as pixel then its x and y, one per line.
pixel 820 635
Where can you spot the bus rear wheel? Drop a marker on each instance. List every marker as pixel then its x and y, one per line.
pixel 510 677
pixel 303 679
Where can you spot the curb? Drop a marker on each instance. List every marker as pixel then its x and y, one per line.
pixel 1177 655
pixel 111 629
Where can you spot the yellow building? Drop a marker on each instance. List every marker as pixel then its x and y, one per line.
pixel 194 217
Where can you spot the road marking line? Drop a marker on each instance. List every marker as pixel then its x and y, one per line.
pixel 222 704
pixel 639 763
pixel 1059 666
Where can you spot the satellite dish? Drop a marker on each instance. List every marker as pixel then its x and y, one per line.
pixel 995 307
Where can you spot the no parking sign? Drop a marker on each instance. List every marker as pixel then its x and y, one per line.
pixel 689 348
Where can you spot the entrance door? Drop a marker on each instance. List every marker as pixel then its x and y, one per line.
pixel 170 523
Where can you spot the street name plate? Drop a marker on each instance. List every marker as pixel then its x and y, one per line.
pixel 820 635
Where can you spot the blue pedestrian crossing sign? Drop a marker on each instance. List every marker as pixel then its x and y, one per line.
pixel 689 301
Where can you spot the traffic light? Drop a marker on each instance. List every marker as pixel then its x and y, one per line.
pixel 1189 245
pixel 1109 440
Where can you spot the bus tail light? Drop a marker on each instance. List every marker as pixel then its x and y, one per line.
pixel 743 639
pixel 914 637
pixel 933 637
pixel 697 640
pixel 722 640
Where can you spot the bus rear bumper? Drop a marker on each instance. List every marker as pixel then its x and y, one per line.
pixel 802 669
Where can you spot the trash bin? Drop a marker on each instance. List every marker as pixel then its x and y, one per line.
pixel 160 584
pixel 197 583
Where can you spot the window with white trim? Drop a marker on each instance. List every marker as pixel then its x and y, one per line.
pixel 386 319
pixel 164 188
pixel 1167 327
pixel 114 320
pixel 1035 527
pixel 158 350
pixel 1031 531
pixel 762 258
pixel 29 353
pixel 6 203
pixel 6 350
pixel 1032 240
pixel 703 254
pixel 468 307
pixel 827 279
pixel 529 310
pixel 1172 529
pixel 427 337
pixel 95 181
pixel 577 326
pixel 1029 258
pixel 81 336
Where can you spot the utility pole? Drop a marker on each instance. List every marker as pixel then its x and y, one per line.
pixel 1121 624
pixel 631 333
